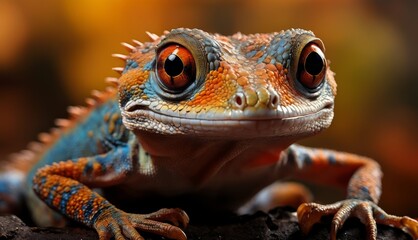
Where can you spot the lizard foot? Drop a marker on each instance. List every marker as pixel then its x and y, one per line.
pixel 368 213
pixel 113 222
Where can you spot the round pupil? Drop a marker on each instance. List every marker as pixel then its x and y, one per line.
pixel 314 63
pixel 173 66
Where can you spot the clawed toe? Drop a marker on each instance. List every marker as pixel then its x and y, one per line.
pixel 174 216
pixel 410 226
pixel 160 228
pixel 368 213
pixel 311 213
pixel 406 224
pixel 115 223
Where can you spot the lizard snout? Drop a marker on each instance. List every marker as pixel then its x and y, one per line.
pixel 259 98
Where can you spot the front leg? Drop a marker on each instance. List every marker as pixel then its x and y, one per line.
pixel 361 175
pixel 62 186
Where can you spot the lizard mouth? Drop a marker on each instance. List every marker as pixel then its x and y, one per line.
pixel 241 123
pixel 140 108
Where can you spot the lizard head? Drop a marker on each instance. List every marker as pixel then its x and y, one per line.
pixel 241 86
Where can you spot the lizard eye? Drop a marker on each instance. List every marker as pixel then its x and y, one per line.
pixel 176 68
pixel 311 67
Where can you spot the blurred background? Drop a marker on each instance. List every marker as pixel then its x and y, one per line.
pixel 53 53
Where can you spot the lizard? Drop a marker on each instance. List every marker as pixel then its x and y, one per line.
pixel 202 116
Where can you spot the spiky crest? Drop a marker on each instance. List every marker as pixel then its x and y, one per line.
pixel 138 43
pixel 154 37
pixel 25 159
pixel 120 56
pixel 112 81
pixel 118 69
pixel 128 47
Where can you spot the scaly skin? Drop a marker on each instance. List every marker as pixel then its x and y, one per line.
pixel 198 115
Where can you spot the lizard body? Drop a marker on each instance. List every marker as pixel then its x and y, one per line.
pixel 198 116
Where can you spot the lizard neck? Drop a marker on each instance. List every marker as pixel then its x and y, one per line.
pixel 196 160
pixel 188 157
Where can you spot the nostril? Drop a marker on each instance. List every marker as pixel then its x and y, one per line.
pixel 274 100
pixel 329 105
pixel 239 100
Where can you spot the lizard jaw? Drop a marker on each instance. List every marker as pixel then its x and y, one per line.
pixel 234 123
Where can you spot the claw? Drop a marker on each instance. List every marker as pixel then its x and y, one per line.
pixel 308 214
pixel 162 229
pixel 311 213
pixel 406 224
pixel 113 222
pixel 365 214
pixel 368 213
pixel 174 216
pixel 339 218
pixel 409 226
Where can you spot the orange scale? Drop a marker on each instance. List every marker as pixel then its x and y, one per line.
pixel 226 67
pixel 271 67
pixel 242 81
pixel 271 74
pixel 243 73
pixel 56 201
pixel 267 60
pixel 134 77
pixel 260 72
pixel 203 101
pixel 260 66
pixel 213 74
pixel 232 75
pixel 258 55
pixel 279 66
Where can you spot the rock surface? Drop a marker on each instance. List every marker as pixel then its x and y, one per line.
pixel 277 224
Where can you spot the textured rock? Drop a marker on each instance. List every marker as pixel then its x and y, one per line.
pixel 277 224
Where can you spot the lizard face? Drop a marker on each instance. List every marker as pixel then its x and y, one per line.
pixel 240 86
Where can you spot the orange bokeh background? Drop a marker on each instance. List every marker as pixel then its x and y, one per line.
pixel 53 53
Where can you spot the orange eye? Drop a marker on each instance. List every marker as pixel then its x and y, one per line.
pixel 176 67
pixel 312 66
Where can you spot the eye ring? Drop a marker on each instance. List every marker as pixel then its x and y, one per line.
pixel 176 68
pixel 308 65
pixel 192 41
pixel 311 67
